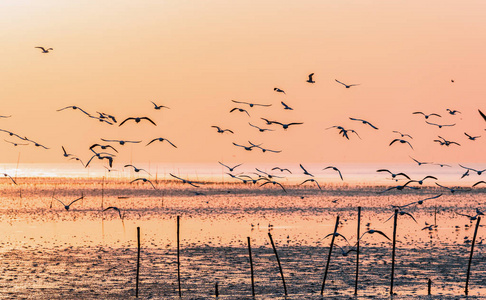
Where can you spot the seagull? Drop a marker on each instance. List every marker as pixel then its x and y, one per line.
pixel 144 180
pixel 372 231
pixel 465 174
pixel 251 104
pixel 106 116
pixel 121 142
pixel 14 134
pixel 471 218
pixel 116 209
pixel 286 126
pixel 343 131
pixel 364 122
pixel 279 90
pixel 6 175
pixel 66 207
pixel 452 190
pixel 222 130
pixel 403 134
pixel 104 147
pixel 419 162
pixel 78 159
pixel 15 144
pixel 399 187
pixel 161 140
pixel 240 110
pixel 274 183
pixel 158 107
pixel 310 78
pixel 335 169
pixel 65 154
pixel 36 144
pixel 401 213
pixel 439 125
pixel 231 169
pixel 184 180
pixel 346 85
pixel 472 138
pixel 312 180
pixel 247 148
pixel 479 182
pixel 5 116
pixel 99 156
pixel 260 129
pixel 429 227
pixel 401 141
pixel 479 172
pixel 270 176
pixel 422 180
pixel 136 169
pixel 482 115
pixel 101 119
pixel 74 107
pixel 445 142
pixel 263 149
pixel 268 121
pixel 426 115
pixel 453 112
pixel 237 177
pixel 337 234
pixel 420 201
pixel 137 120
pixel 281 170
pixel 393 175
pixel 305 171
pixel 44 50
pixel 443 165
pixel 286 106
pixel 345 253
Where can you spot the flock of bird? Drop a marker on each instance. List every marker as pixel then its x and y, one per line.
pixel 107 152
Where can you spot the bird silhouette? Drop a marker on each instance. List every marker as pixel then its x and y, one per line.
pixel 419 162
pixel 453 112
pixel 482 114
pixel 6 175
pixel 401 141
pixel 260 129
pixel 286 106
pixel 346 85
pixel 144 180
pixel 240 110
pixel 44 50
pixel 67 207
pixel 403 134
pixel 393 175
pixel 231 169
pixel 104 147
pixel 310 80
pixel 160 139
pixel 305 171
pixel 279 90
pixel 335 169
pixel 74 108
pixel 281 170
pixel 158 107
pixel 184 180
pixel 251 104
pixel 222 130
pixel 135 169
pixel 364 122
pixel 426 115
pixel 422 180
pixel 274 183
pixel 15 144
pixel 472 138
pixel 440 125
pixel 121 142
pixel 479 172
pixel 285 126
pixel 479 182
pixel 311 180
pixel 115 209
pixel 137 120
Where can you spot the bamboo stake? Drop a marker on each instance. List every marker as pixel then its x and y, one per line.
pixel 393 251
pixel 466 291
pixel 429 287
pixel 357 252
pixel 278 261
pixel 329 255
pixel 138 261
pixel 178 257
pixel 251 269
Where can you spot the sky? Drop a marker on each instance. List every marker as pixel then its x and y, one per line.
pixel 197 56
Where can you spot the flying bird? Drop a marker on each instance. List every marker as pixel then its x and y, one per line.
pixel 393 175
pixel 264 149
pixel 15 144
pixel 121 142
pixel 279 90
pixel 364 122
pixel 452 190
pixel 36 144
pixel 419 162
pixel 335 169
pixel 482 114
pixel 65 154
pixel 158 107
pixel 67 207
pixel 310 80
pixel 479 172
pixel 137 120
pixel 240 110
pixel 104 147
pixel 286 126
pixel 346 85
pixel 106 116
pixel 144 180
pixel 305 171
pixel 270 176
pixel 107 156
pixel 420 202
pixel 281 170
pixel 136 169
pixel 479 182
pixel 445 142
pixel 222 130
pixel 472 138
pixel 247 148
pixel 115 209
pixel 274 183
pixel 422 180
pixel 286 106
pixel 401 213
pixel 44 50
pixel 401 141
pixel 311 180
pixel 453 112
pixel 399 187
pixel 261 129
pixel 74 107
pixel 160 139
pixel 231 169
pixel 372 231
pixel 403 134
pixel 184 180
pixel 252 104
pixel 440 125
pixel 6 175
pixel 426 115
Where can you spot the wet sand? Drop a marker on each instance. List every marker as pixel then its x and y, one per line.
pixel 50 253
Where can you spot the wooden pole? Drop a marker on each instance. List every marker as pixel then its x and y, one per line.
pixel 278 261
pixel 102 192
pixel 138 261
pixel 466 291
pixel 216 291
pixel 429 287
pixel 329 255
pixel 357 252
pixel 251 269
pixel 393 250
pixel 178 257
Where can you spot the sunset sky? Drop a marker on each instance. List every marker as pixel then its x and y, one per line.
pixel 197 56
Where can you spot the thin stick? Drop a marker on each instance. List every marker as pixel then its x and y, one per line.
pixel 393 251
pixel 429 287
pixel 138 261
pixel 329 256
pixel 357 252
pixel 251 269
pixel 102 192
pixel 216 291
pixel 466 291
pixel 178 257
pixel 278 261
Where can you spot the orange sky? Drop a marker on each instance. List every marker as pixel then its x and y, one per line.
pixel 195 56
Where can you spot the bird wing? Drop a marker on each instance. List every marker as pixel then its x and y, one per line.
pixel 340 175
pixel 340 82
pixel 82 197
pixel 170 143
pixel 384 170
pixel 294 124
pixel 148 119
pixel 126 120
pixel 418 113
pixel 482 114
pixel 383 234
pixel 41 48
pixel 232 110
pixel 479 182
pixel 394 141
pixel 60 201
pixel 223 165
pixel 64 150
pixel 406 213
